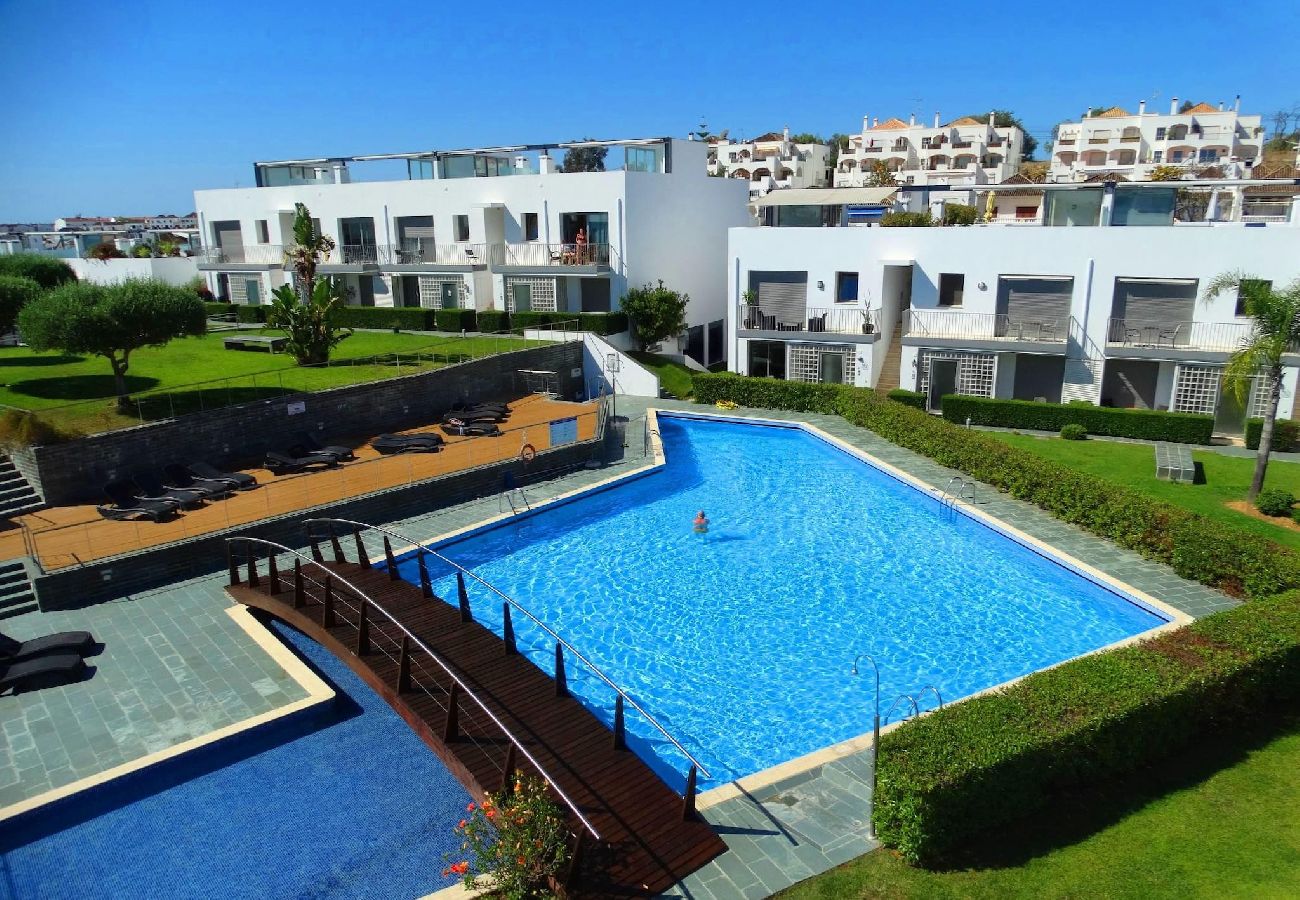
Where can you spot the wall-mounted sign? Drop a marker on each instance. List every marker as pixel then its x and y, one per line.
pixel 296 407
pixel 564 431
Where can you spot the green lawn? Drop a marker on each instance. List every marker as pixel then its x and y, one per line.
pixel 190 374
pixel 673 376
pixel 1133 465
pixel 1235 833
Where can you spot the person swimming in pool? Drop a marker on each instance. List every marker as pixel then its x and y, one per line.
pixel 701 523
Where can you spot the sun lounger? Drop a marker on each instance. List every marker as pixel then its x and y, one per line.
pixel 478 414
pixel 309 443
pixel 177 477
pixel 128 504
pixel 55 668
pixel 151 488
pixel 283 463
pixel 12 651
pixel 241 480
pixel 480 404
pixel 469 429
pixel 408 443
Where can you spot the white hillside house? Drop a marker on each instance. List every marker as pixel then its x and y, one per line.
pixel 771 162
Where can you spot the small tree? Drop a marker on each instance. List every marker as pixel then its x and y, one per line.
pixel 305 310
pixel 105 250
pixel 959 214
pixel 15 293
pixel 584 159
pixel 1165 173
pixel 111 321
pixel 1276 330
pixel 656 313
pixel 878 175
pixel 47 271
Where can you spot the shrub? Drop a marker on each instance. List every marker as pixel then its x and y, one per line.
pixel 105 250
pixel 1286 434
pixel 907 219
pixel 406 318
pixel 1275 502
pixel 1145 424
pixel 492 320
pixel 971 767
pixel 1237 562
pixel 455 320
pixel 656 312
pixel 914 399
pixel 516 841
pixel 47 271
pixel 597 323
pixel 1073 432
pixel 20 428
pixel 249 314
pixel 959 214
pixel 16 291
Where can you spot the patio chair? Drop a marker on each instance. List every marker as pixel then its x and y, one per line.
pixel 177 476
pixel 408 443
pixel 1168 337
pixel 308 441
pixel 128 504
pixel 55 668
pixel 285 464
pixel 241 480
pixel 461 428
pixel 12 651
pixel 478 414
pixel 152 488
pixel 481 404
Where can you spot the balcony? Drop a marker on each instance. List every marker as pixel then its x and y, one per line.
pixel 873 149
pixel 955 328
pixel 810 320
pixel 1156 339
pixel 583 258
pixel 1066 142
pixel 252 256
pixel 418 255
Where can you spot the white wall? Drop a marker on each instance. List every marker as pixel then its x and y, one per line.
pixel 171 269
pixel 632 379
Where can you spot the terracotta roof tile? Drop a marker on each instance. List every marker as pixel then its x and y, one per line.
pixel 964 120
pixel 1114 112
pixel 889 124
pixel 1200 108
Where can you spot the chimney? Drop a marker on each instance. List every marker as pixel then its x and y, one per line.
pixel 875 122
pixel 1142 107
pixel 1088 114
pixel 1173 106
pixel 785 133
pixel 1236 104
pixel 866 122
pixel 1220 106
pixel 992 124
pixel 936 118
pixel 911 120
pixel 545 164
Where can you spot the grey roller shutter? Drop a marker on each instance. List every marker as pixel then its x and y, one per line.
pixel 1153 302
pixel 1036 299
pixel 782 296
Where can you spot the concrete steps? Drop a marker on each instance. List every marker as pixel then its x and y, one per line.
pixel 16 495
pixel 890 372
pixel 16 595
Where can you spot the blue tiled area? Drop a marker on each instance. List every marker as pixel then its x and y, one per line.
pixel 357 807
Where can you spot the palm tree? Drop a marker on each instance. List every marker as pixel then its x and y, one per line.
pixel 308 246
pixel 1276 331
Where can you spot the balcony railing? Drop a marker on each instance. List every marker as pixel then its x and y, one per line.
pixel 955 324
pixel 251 254
pixel 537 254
pixel 1066 142
pixel 355 254
pixel 420 252
pixel 1221 337
pixel 811 320
pixel 873 149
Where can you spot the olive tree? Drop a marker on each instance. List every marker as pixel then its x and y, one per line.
pixel 111 321
pixel 15 293
pixel 655 312
pixel 47 271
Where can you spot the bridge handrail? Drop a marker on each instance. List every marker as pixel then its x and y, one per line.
pixel 536 621
pixel 442 665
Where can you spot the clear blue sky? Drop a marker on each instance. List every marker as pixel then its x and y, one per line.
pixel 126 108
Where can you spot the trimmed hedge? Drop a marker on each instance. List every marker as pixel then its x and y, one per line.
pixel 1286 434
pixel 410 318
pixel 1146 424
pixel 914 399
pixel 967 769
pixel 599 323
pixel 1237 562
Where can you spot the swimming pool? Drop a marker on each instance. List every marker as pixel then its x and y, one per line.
pixel 740 641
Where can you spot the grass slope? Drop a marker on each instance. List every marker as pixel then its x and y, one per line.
pixel 673 376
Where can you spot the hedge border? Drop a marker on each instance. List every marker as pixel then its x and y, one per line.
pixel 411 318
pixel 1286 434
pixel 914 399
pixel 1143 424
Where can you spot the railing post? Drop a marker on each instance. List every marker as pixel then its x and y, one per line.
pixel 561 680
pixel 327 617
pixel 620 735
pixel 299 594
pixel 426 587
pixel 388 558
pixel 452 730
pixel 508 630
pixel 234 566
pixel 274 573
pixel 335 545
pixel 252 566
pixel 688 801
pixel 575 858
pixel 465 614
pixel 404 666
pixel 508 771
pixel 362 559
pixel 363 630
pixel 315 547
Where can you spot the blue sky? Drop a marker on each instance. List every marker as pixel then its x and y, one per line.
pixel 126 108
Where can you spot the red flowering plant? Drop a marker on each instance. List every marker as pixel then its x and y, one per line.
pixel 515 841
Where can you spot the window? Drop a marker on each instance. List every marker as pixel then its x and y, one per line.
pixel 951 288
pixel 1026 212
pixel 1208 155
pixel 530 226
pixel 1160 134
pixel 846 287
pixel 460 227
pixel 767 359
pixel 263 233
pixel 1250 287
pixel 1159 156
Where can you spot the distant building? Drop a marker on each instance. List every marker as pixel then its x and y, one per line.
pixel 168 222
pixel 771 162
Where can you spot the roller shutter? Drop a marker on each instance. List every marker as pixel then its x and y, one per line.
pixel 1035 299
pixel 782 296
pixel 1152 301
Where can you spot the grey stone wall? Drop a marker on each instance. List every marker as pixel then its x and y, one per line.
pixel 239 436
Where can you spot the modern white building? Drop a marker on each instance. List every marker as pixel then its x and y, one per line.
pixel 771 162
pixel 1122 144
pixel 1094 312
pixel 497 228
pixel 963 153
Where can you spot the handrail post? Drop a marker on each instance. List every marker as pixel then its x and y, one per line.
pixel 335 545
pixel 620 735
pixel 234 566
pixel 575 858
pixel 327 617
pixel 508 630
pixel 404 666
pixel 388 559
pixel 561 680
pixel 465 614
pixel 508 770
pixel 688 801
pixel 452 730
pixel 363 630
pixel 362 559
pixel 252 566
pixel 315 547
pixel 426 586
pixel 299 594
pixel 274 573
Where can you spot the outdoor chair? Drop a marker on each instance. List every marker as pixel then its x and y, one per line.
pixel 128 504
pixel 408 443
pixel 12 651
pixel 241 480
pixel 478 414
pixel 462 428
pixel 152 488
pixel 285 464
pixel 55 668
pixel 481 404
pixel 176 476
pixel 309 442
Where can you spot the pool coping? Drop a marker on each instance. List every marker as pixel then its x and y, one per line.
pixel 318 692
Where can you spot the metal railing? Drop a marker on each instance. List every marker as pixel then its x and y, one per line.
pixel 363 608
pixel 561 644
pixel 941 323
pixel 813 320
pixel 1214 336
pixel 418 251
pixel 572 254
pixel 248 254
pixel 354 255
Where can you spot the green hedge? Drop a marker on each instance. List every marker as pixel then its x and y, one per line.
pixel 1146 424
pixel 599 323
pixel 453 320
pixel 914 399
pixel 1237 562
pixel 492 320
pixel 964 771
pixel 1286 434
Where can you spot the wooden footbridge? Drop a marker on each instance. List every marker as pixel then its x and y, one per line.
pixel 482 707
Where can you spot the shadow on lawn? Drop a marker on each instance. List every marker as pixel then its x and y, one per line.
pixel 33 360
pixel 80 387
pixel 1072 818
pixel 166 404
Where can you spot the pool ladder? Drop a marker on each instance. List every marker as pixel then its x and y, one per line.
pixel 517 499
pixel 951 495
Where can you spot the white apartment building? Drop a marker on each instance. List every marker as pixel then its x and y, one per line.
pixel 1092 312
pixel 771 162
pixel 962 153
pixel 1121 144
pixel 497 228
pixel 169 222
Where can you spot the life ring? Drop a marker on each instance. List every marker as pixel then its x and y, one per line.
pixel 527 453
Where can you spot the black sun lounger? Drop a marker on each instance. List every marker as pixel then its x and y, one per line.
pixel 481 404
pixel 55 668
pixel 408 443
pixel 283 463
pixel 151 488
pixel 12 651
pixel 309 443
pixel 468 429
pixel 241 480
pixel 179 477
pixel 128 504
pixel 478 414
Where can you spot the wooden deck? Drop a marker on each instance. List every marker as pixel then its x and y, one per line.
pixel 646 842
pixel 70 535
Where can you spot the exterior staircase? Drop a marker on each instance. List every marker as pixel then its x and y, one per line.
pixel 16 596
pixel 890 372
pixel 16 495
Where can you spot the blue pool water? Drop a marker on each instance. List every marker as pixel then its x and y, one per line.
pixel 358 807
pixel 741 641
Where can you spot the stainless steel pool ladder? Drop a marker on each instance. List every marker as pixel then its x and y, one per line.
pixel 950 497
pixel 517 499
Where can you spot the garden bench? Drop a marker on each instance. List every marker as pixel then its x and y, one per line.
pixel 268 342
pixel 1174 462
